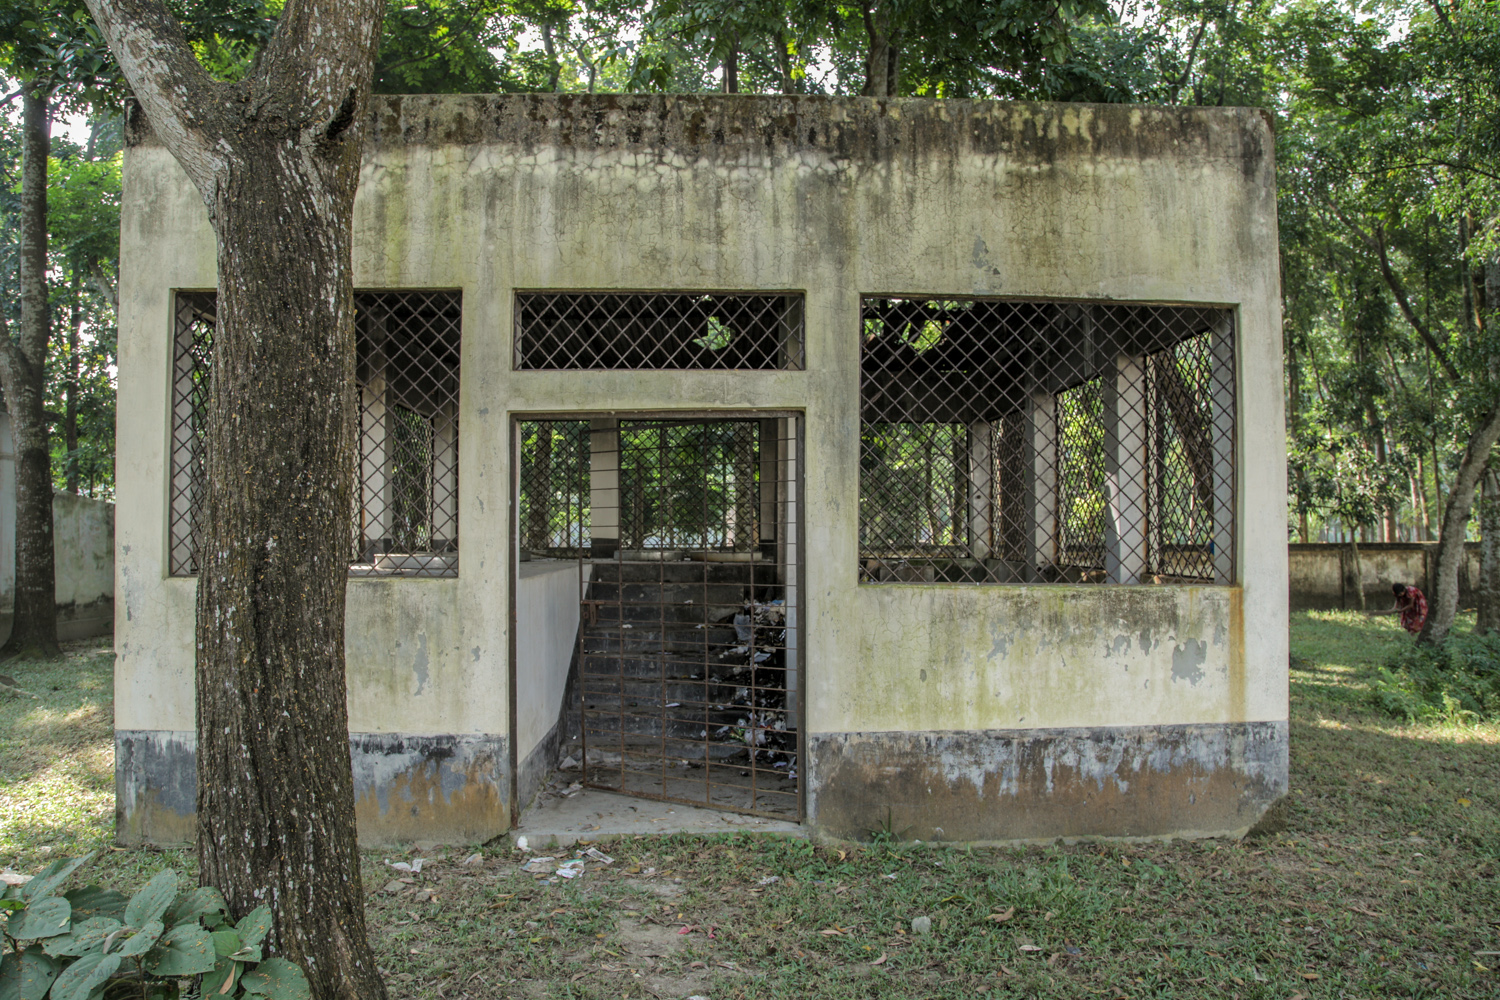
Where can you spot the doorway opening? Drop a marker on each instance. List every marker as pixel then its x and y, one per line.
pixel 684 677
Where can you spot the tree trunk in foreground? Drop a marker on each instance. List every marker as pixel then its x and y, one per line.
pixel 1443 602
pixel 276 158
pixel 1488 619
pixel 23 368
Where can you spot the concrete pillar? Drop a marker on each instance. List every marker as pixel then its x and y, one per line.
pixel 1124 393
pixel 788 551
pixel 375 482
pixel 445 475
pixel 1222 441
pixel 604 486
pixel 982 494
pixel 1040 471
pixel 770 475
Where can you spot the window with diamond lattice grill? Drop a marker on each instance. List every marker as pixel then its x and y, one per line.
pixel 1046 442
pixel 405 522
pixel 657 330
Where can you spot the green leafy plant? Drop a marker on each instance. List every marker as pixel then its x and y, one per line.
pixel 95 944
pixel 1455 681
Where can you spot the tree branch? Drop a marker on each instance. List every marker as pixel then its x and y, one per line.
pixel 165 76
pixel 1375 240
pixel 103 285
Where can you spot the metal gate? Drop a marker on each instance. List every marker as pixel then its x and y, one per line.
pixel 688 665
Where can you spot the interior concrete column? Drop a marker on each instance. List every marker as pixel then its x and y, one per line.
pixel 374 463
pixel 604 486
pixel 1041 484
pixel 770 473
pixel 1124 392
pixel 981 483
pixel 1222 441
pixel 445 475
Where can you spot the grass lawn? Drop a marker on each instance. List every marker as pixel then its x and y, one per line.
pixel 1384 883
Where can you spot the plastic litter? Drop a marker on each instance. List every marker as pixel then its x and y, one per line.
pixel 415 866
pixel 539 866
pixel 594 854
pixel 571 869
pixel 921 925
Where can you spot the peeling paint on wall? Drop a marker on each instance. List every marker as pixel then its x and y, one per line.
pixel 453 789
pixel 1152 781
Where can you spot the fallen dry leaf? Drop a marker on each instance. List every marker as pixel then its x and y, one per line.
pixel 881 959
pixel 1003 915
pixel 1030 947
pixel 1310 975
pixel 832 932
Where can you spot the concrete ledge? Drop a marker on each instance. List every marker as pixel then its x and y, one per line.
pixel 1042 784
pixel 442 789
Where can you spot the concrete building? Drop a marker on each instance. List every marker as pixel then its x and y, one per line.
pixel 908 465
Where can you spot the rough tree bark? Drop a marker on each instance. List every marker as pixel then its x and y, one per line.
pixel 879 56
pixel 70 390
pixel 23 365
pixel 1443 604
pixel 1488 619
pixel 276 158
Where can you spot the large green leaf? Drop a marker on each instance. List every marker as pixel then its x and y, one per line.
pixel 254 926
pixel 185 950
pixel 51 877
pixel 27 976
pixel 83 938
pixel 277 979
pixel 92 901
pixel 204 903
pixel 226 942
pixel 141 941
pixel 42 918
pixel 78 980
pixel 152 901
pixel 222 980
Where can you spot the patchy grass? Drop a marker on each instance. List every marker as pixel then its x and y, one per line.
pixel 1385 882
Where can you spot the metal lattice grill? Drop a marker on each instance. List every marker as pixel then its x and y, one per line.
pixel 191 363
pixel 553 505
pixel 657 330
pixel 406 372
pixel 1046 442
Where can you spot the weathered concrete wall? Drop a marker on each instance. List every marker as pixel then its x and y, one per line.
pixel 406 788
pixel 834 199
pixel 83 543
pixel 1321 576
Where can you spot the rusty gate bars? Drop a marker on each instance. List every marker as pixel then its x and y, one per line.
pixel 687 656
pixel 406 373
pixel 657 330
pixel 1018 441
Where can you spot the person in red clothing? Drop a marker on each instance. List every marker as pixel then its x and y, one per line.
pixel 1411 605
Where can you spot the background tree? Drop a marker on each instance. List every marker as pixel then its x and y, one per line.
pixel 276 157
pixel 55 53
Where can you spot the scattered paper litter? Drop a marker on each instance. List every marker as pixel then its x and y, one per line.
pixel 539 865
pixel 473 859
pixel 415 866
pixel 571 869
pixel 769 880
pixel 599 856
